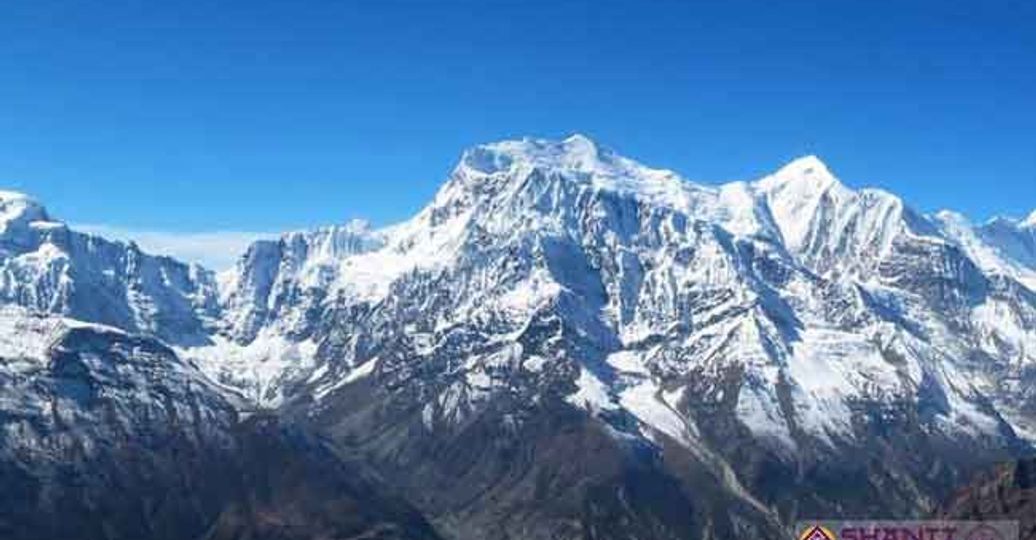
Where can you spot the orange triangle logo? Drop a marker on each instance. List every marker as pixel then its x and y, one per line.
pixel 817 532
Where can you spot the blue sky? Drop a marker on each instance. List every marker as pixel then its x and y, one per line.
pixel 200 117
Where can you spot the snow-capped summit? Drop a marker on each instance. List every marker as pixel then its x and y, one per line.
pixel 805 175
pixel 578 153
pixel 14 199
pixel 17 214
pixel 831 227
pixel 46 267
pixel 1030 221
pixel 576 159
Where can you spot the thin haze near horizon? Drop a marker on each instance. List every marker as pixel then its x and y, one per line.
pixel 189 126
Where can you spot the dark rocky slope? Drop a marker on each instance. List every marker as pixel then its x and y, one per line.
pixel 111 437
pixel 1007 492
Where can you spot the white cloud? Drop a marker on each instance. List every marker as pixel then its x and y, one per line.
pixel 217 250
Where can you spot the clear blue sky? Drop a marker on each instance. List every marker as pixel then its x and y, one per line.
pixel 260 115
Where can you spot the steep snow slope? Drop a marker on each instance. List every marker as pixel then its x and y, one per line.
pixel 1000 246
pixel 44 266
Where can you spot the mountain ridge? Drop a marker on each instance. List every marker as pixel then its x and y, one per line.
pixel 742 349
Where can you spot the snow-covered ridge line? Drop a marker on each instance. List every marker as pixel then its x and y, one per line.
pixel 1031 220
pixel 583 160
pixel 496 239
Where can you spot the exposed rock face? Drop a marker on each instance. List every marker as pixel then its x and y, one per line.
pixel 567 344
pixel 108 435
pixel 1007 492
pixel 289 485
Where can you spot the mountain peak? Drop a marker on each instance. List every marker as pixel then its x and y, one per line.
pixel 576 159
pixel 579 143
pixel 577 152
pixel 804 177
pixel 952 216
pixel 1030 221
pixel 6 195
pixel 18 207
pixel 809 167
pixel 15 198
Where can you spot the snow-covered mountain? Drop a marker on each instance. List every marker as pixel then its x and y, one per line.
pixel 794 276
pixel 107 433
pixel 1000 246
pixel 726 358
pixel 46 267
